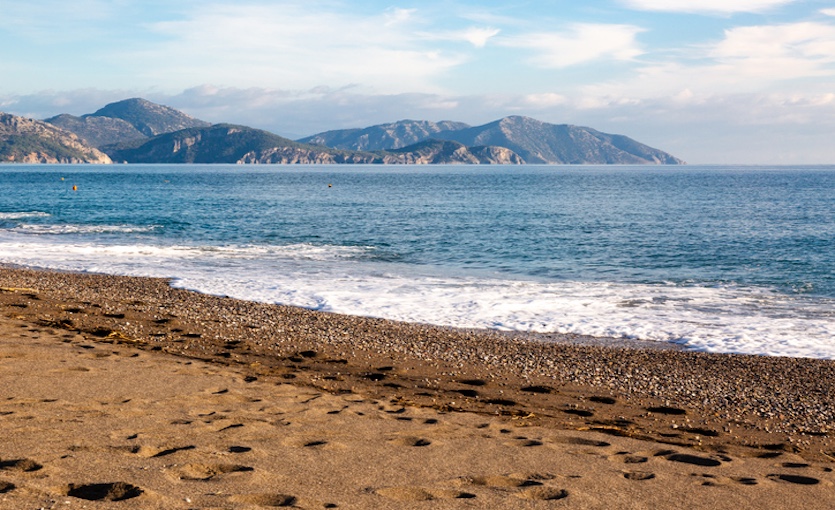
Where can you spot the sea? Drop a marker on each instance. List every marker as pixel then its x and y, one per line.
pixel 731 259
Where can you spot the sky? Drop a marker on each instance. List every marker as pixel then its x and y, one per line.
pixel 710 81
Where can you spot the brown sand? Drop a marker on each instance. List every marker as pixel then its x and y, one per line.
pixel 125 393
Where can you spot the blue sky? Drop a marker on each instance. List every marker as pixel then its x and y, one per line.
pixel 711 81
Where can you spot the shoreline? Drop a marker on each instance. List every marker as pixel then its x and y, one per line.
pixel 748 408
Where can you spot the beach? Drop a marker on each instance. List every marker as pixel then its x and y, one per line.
pixel 123 392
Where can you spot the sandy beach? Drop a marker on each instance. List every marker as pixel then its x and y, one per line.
pixel 126 393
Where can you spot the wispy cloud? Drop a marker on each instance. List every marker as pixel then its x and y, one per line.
pixel 706 6
pixel 779 52
pixel 477 36
pixel 297 47
pixel 753 59
pixel 580 43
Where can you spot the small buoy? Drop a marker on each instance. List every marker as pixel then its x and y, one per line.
pixel 330 185
pixel 74 187
pixel 62 178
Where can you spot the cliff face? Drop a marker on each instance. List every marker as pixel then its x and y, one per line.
pixel 446 152
pixel 25 140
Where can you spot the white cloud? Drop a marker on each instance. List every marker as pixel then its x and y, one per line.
pixel 706 6
pixel 295 46
pixel 477 36
pixel 828 12
pixel 580 44
pixel 757 59
pixel 544 100
pixel 812 44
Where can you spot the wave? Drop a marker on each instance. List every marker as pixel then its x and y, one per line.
pixel 348 279
pixel 83 229
pixel 23 215
pixel 140 254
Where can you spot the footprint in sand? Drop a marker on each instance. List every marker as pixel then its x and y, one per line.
pixel 150 452
pixel 580 441
pixel 638 475
pixel 266 500
pixel 671 411
pixel 419 494
pixel 543 494
pixel 582 413
pixel 502 481
pixel 796 479
pixel 24 465
pixel 692 459
pixel 204 472
pixel 6 487
pixel 117 491
pixel 631 459
pixel 709 480
pixel 410 441
pixel 473 382
pixel 538 389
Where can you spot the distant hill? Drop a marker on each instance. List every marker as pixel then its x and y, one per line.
pixel 394 135
pixel 98 131
pixel 139 131
pixel 126 121
pixel 532 140
pixel 25 140
pixel 540 142
pixel 226 143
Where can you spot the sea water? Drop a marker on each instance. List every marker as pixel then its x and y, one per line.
pixel 722 259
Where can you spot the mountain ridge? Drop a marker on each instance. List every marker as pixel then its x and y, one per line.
pixel 125 121
pixel 535 141
pixel 392 135
pixel 229 143
pixel 138 131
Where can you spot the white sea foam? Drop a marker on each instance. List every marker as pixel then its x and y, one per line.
pixel 340 279
pixel 23 215
pixel 83 229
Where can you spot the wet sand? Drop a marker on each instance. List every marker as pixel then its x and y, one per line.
pixel 125 393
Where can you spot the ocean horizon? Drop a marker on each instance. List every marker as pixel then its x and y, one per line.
pixel 718 258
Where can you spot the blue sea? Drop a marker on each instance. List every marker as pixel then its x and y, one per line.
pixel 714 258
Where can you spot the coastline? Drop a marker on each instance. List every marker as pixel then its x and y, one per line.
pixel 719 411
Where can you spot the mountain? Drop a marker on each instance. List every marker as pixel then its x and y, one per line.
pixel 394 135
pixel 97 131
pixel 532 140
pixel 139 131
pixel 25 140
pixel 125 121
pixel 226 143
pixel 540 142
pixel 433 152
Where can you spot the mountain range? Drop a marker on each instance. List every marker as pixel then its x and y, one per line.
pixel 139 131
